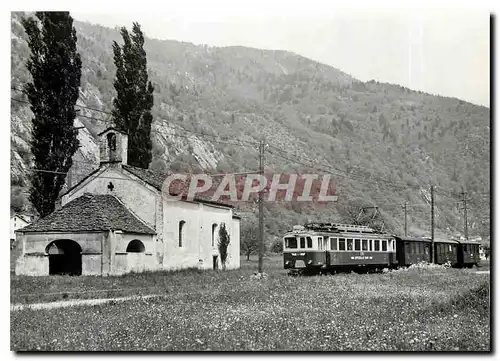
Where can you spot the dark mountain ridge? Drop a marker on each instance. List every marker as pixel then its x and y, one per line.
pixel 383 144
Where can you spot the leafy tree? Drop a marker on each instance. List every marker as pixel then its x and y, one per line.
pixel 159 165
pixel 134 100
pixel 55 67
pixel 249 240
pixel 17 199
pixel 277 246
pixel 223 243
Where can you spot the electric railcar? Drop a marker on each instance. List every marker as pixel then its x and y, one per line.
pixel 335 247
pixel 330 247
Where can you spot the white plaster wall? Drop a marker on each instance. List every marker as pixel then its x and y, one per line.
pixel 136 195
pixel 123 262
pixel 32 265
pixel 33 261
pixel 133 262
pixel 210 215
pixel 176 257
pixel 235 245
pixel 91 264
pixel 15 224
pixel 197 250
pixel 90 242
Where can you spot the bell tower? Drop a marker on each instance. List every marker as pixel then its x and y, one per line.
pixel 113 146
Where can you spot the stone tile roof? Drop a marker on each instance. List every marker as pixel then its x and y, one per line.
pixel 156 179
pixel 90 212
pixel 153 178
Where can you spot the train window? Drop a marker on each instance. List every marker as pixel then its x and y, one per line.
pixel 370 244
pixel 309 242
pixel 291 242
pixel 449 248
pixel 320 243
pixel 357 245
pixel 384 245
pixel 426 249
pixel 376 245
pixel 393 245
pixel 364 245
pixel 333 244
pixel 341 244
pixel 349 244
pixel 302 242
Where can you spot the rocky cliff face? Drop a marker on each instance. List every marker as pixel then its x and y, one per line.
pixel 384 143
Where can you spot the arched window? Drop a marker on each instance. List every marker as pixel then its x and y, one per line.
pixel 136 246
pixel 214 228
pixel 182 232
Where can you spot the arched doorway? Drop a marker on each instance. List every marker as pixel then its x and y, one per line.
pixel 65 257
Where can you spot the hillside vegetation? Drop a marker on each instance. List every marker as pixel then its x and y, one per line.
pixel 385 144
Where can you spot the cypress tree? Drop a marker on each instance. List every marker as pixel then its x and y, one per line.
pixel 134 100
pixel 55 68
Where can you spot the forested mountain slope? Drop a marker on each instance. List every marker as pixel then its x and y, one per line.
pixel 385 144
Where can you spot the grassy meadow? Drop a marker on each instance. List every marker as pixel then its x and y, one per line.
pixel 421 309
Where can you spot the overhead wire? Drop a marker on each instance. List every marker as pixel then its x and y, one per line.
pixel 276 152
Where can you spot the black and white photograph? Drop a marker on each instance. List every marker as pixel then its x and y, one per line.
pixel 250 176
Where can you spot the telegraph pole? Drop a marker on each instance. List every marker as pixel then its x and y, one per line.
pixel 432 224
pixel 406 221
pixel 261 208
pixel 464 199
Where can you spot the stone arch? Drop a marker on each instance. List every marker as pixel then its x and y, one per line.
pixel 111 137
pixel 65 257
pixel 136 246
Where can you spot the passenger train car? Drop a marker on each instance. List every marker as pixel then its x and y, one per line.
pixel 335 247
pixel 319 247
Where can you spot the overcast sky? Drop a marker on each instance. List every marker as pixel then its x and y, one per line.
pixel 439 52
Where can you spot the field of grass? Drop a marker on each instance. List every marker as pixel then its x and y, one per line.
pixel 418 309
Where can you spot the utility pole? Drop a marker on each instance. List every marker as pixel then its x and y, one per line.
pixel 261 208
pixel 464 200
pixel 432 224
pixel 406 221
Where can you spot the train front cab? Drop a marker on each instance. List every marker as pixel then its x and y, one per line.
pixel 412 250
pixel 468 254
pixel 446 251
pixel 301 254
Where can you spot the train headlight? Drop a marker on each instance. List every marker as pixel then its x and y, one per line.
pixel 320 263
pixel 287 262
